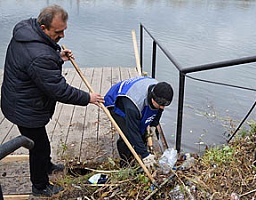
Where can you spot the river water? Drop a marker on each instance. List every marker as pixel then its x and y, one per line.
pixel 195 32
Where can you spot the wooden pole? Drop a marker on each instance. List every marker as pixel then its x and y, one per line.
pixel 113 122
pixel 137 58
pixel 162 137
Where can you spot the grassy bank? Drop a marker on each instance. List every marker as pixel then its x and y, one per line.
pixel 224 172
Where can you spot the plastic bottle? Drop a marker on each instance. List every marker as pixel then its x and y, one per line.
pixel 187 163
pixel 168 160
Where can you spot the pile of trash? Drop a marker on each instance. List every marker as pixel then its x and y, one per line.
pixel 223 172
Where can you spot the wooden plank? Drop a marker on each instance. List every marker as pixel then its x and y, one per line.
pixel 99 148
pixel 62 125
pixel 106 133
pixel 124 73
pixel 88 142
pixel 91 148
pixel 96 84
pixel 12 158
pixel 17 196
pixel 81 127
pixel 6 127
pixel 133 72
pixel 116 77
pixel 1 119
pixel 77 84
pixel 73 140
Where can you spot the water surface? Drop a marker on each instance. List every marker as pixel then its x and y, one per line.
pixel 195 32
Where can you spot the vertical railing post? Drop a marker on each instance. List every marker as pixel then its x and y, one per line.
pixel 180 110
pixel 141 47
pixel 153 73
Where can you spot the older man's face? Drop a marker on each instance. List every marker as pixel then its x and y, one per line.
pixel 57 28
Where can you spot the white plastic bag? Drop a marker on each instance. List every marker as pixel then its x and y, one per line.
pixel 168 160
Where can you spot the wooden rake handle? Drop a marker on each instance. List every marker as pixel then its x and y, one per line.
pixel 113 122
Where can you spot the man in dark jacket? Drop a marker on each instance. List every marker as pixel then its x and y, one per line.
pixel 32 85
pixel 135 104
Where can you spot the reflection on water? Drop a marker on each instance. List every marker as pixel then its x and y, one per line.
pixel 195 32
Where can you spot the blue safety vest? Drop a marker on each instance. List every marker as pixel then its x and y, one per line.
pixel 136 89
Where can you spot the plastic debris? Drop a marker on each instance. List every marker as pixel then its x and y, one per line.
pixel 98 179
pixel 187 163
pixel 234 196
pixel 76 186
pixel 176 193
pixel 152 187
pixel 168 160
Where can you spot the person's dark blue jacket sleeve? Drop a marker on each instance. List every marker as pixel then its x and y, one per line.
pixel 133 134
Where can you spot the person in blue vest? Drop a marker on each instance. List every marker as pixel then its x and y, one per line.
pixel 135 104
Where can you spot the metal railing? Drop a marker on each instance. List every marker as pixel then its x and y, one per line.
pixel 182 74
pixel 10 146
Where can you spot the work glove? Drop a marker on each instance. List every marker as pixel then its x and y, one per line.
pixel 149 140
pixel 152 130
pixel 149 161
pixel 149 132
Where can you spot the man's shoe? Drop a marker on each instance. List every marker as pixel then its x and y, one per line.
pixel 48 191
pixel 56 168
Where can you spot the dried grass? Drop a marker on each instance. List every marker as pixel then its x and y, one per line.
pixel 220 173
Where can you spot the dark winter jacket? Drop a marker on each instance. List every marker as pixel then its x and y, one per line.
pixel 33 80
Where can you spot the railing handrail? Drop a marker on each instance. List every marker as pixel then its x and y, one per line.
pixel 183 72
pixel 13 144
pixel 226 63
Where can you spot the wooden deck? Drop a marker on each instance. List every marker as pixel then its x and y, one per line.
pixel 83 133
